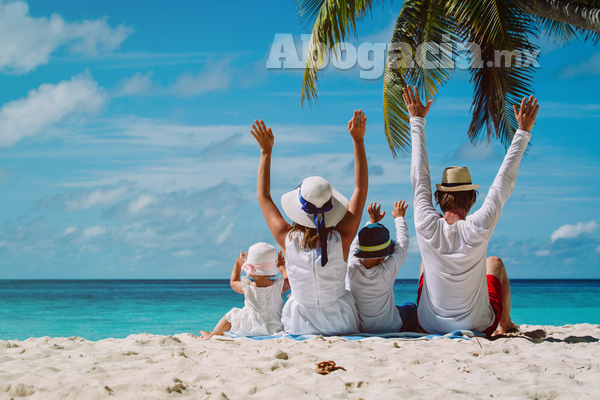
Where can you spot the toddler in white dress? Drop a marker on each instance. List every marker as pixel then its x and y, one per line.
pixel 261 315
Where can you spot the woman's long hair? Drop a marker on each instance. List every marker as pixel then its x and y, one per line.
pixel 309 236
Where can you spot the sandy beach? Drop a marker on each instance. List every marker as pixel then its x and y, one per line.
pixel 565 365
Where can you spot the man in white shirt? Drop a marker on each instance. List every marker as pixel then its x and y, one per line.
pixel 460 287
pixel 373 265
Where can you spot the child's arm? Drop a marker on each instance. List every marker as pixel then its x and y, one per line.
pixel 281 266
pixel 401 249
pixel 234 281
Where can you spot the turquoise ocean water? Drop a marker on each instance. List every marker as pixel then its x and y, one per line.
pixel 98 309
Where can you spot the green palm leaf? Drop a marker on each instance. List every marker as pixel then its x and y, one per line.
pixel 332 22
pixel 419 22
pixel 496 25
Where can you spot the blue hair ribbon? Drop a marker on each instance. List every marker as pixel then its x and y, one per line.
pixel 318 214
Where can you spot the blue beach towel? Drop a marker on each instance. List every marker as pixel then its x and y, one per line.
pixel 361 336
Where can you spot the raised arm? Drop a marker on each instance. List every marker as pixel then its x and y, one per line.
pixel 401 249
pixel 348 226
pixel 236 273
pixel 277 224
pixel 283 270
pixel 488 215
pixel 419 166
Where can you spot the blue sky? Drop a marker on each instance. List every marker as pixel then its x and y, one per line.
pixel 125 152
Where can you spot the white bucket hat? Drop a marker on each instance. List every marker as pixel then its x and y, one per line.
pixel 456 179
pixel 317 191
pixel 261 260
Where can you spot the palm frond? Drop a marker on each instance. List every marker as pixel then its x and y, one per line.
pixel 332 21
pixel 420 22
pixel 560 33
pixel 496 28
pixel 593 36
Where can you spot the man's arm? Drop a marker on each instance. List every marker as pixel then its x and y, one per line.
pixel 488 215
pixel 419 167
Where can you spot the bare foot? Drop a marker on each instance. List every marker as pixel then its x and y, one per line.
pixel 206 335
pixel 512 329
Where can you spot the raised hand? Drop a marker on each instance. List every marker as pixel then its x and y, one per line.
pixel 357 126
pixel 280 259
pixel 526 115
pixel 263 135
pixel 399 209
pixel 376 214
pixel 241 259
pixel 413 102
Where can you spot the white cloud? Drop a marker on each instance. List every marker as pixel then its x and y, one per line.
pixel 560 110
pixel 572 231
pixel 69 230
pixel 138 84
pixel 139 203
pixel 94 231
pixel 591 66
pixel 214 78
pixel 225 234
pixel 183 253
pixel 84 199
pixel 413 247
pixel 102 196
pixel 27 42
pixel 47 105
pixel 468 152
pixel 542 253
pixel 598 249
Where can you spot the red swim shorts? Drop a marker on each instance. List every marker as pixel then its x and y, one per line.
pixel 495 295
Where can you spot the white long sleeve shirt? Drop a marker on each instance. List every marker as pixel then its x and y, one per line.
pixel 455 294
pixel 373 289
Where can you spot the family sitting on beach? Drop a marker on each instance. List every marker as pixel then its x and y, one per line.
pixel 342 283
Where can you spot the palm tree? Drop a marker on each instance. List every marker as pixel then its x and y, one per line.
pixel 493 25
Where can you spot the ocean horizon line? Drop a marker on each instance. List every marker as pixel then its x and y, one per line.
pixel 227 280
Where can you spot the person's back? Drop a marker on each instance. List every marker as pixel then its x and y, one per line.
pixel 261 314
pixel 373 265
pixel 460 287
pixel 454 294
pixel 325 223
pixel 319 303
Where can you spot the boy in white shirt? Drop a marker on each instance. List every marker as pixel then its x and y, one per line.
pixel 373 264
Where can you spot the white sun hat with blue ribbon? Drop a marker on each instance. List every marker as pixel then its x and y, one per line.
pixel 315 204
pixel 317 191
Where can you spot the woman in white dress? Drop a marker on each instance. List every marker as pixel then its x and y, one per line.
pixel 261 315
pixel 317 245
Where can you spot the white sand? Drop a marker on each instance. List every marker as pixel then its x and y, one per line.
pixel 566 365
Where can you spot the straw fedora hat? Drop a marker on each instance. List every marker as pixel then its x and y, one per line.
pixel 456 179
pixel 318 191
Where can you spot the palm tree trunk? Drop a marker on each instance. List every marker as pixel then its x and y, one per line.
pixel 570 12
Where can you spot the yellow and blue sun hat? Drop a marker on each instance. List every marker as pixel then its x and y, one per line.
pixel 374 242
